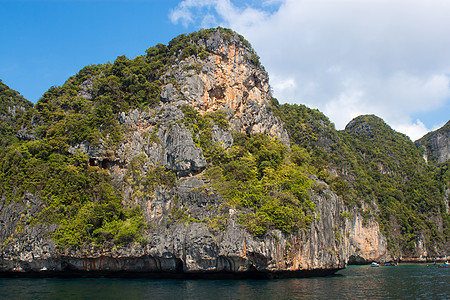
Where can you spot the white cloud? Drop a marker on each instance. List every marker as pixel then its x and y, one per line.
pixel 383 57
pixel 183 13
pixel 283 84
pixel 414 130
pixel 345 107
pixel 209 20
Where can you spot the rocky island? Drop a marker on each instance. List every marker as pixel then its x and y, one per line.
pixel 180 163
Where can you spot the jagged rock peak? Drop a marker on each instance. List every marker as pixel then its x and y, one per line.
pixel 213 40
pixel 218 70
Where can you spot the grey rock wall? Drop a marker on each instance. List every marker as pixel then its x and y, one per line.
pixel 436 144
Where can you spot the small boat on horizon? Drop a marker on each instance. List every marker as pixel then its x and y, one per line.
pixel 374 264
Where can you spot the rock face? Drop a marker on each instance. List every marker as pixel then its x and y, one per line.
pixel 26 246
pixel 436 144
pixel 193 249
pixel 12 107
pixel 367 244
pixel 227 81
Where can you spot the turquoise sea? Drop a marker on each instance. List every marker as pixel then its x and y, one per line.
pixel 406 281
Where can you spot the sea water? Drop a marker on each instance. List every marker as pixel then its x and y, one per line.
pixel 412 281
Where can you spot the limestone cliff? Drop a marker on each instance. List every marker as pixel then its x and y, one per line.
pixel 366 241
pixel 226 80
pixel 190 229
pixel 436 144
pixel 12 107
pixel 384 181
pixel 195 250
pixel 392 161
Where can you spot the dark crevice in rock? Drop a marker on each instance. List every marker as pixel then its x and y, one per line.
pixel 217 92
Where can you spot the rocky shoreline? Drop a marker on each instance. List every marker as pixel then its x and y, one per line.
pixel 145 267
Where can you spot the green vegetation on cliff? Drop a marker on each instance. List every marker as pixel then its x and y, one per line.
pixel 407 191
pixel 78 197
pixel 371 163
pixel 14 113
pixel 258 178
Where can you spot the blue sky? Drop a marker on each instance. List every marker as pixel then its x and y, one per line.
pixel 346 58
pixel 45 42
